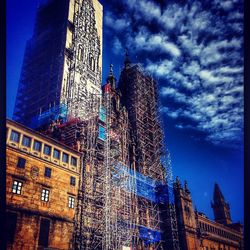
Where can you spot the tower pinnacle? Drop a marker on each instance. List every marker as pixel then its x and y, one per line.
pixel 111 78
pixel 221 207
pixel 127 60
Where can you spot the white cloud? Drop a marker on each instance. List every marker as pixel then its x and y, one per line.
pixel 200 68
pixel 230 70
pixel 227 5
pixel 171 92
pixel 151 42
pixel 149 9
pixel 161 68
pixel 208 76
pixel 117 46
pixel 173 16
pixel 117 24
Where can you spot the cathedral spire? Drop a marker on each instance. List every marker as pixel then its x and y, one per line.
pixel 127 60
pixel 221 207
pixel 186 187
pixel 218 196
pixel 111 78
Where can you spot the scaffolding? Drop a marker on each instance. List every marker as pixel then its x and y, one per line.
pixel 41 76
pixel 120 203
pixel 124 198
pixel 150 156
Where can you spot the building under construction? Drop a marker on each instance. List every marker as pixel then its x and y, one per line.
pixel 125 188
pixel 124 198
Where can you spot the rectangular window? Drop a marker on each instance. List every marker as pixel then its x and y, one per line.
pixel 26 141
pixel 56 154
pixel 44 233
pixel 37 145
pixel 72 181
pixel 71 202
pixel 47 172
pixel 17 187
pixel 21 162
pixel 65 158
pixel 47 150
pixel 73 161
pixel 11 218
pixel 45 195
pixel 15 136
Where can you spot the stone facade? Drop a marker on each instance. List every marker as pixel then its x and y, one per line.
pixel 41 190
pixel 197 232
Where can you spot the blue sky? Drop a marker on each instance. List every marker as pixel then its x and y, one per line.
pixel 195 51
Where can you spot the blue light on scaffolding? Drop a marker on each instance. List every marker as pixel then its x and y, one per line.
pixel 102 114
pixel 102 133
pixel 149 235
pixel 54 113
pixel 143 186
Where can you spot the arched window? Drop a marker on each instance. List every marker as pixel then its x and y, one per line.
pixel 92 63
pixel 80 53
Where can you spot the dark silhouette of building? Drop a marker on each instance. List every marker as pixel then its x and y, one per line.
pixel 196 231
pixel 140 97
pixel 221 207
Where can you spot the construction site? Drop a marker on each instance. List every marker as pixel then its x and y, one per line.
pixel 125 198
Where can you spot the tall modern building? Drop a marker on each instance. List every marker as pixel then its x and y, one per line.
pixel 63 60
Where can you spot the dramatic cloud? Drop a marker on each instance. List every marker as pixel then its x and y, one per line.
pixel 195 50
pixel 151 42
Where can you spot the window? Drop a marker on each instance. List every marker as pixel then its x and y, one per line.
pixel 14 136
pixel 47 150
pixel 65 158
pixel 73 161
pixel 37 145
pixel 44 233
pixel 17 187
pixel 80 54
pixel 47 172
pixel 56 154
pixel 45 195
pixel 71 202
pixel 26 141
pixel 21 162
pixel 11 226
pixel 72 181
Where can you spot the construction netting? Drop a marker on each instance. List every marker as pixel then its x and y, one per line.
pixel 141 185
pixel 102 114
pixel 102 133
pixel 149 235
pixel 58 112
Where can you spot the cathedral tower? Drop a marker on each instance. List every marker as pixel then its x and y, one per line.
pixel 63 60
pixel 221 207
pixel 185 214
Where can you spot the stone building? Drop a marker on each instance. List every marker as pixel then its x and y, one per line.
pixel 196 231
pixel 42 178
